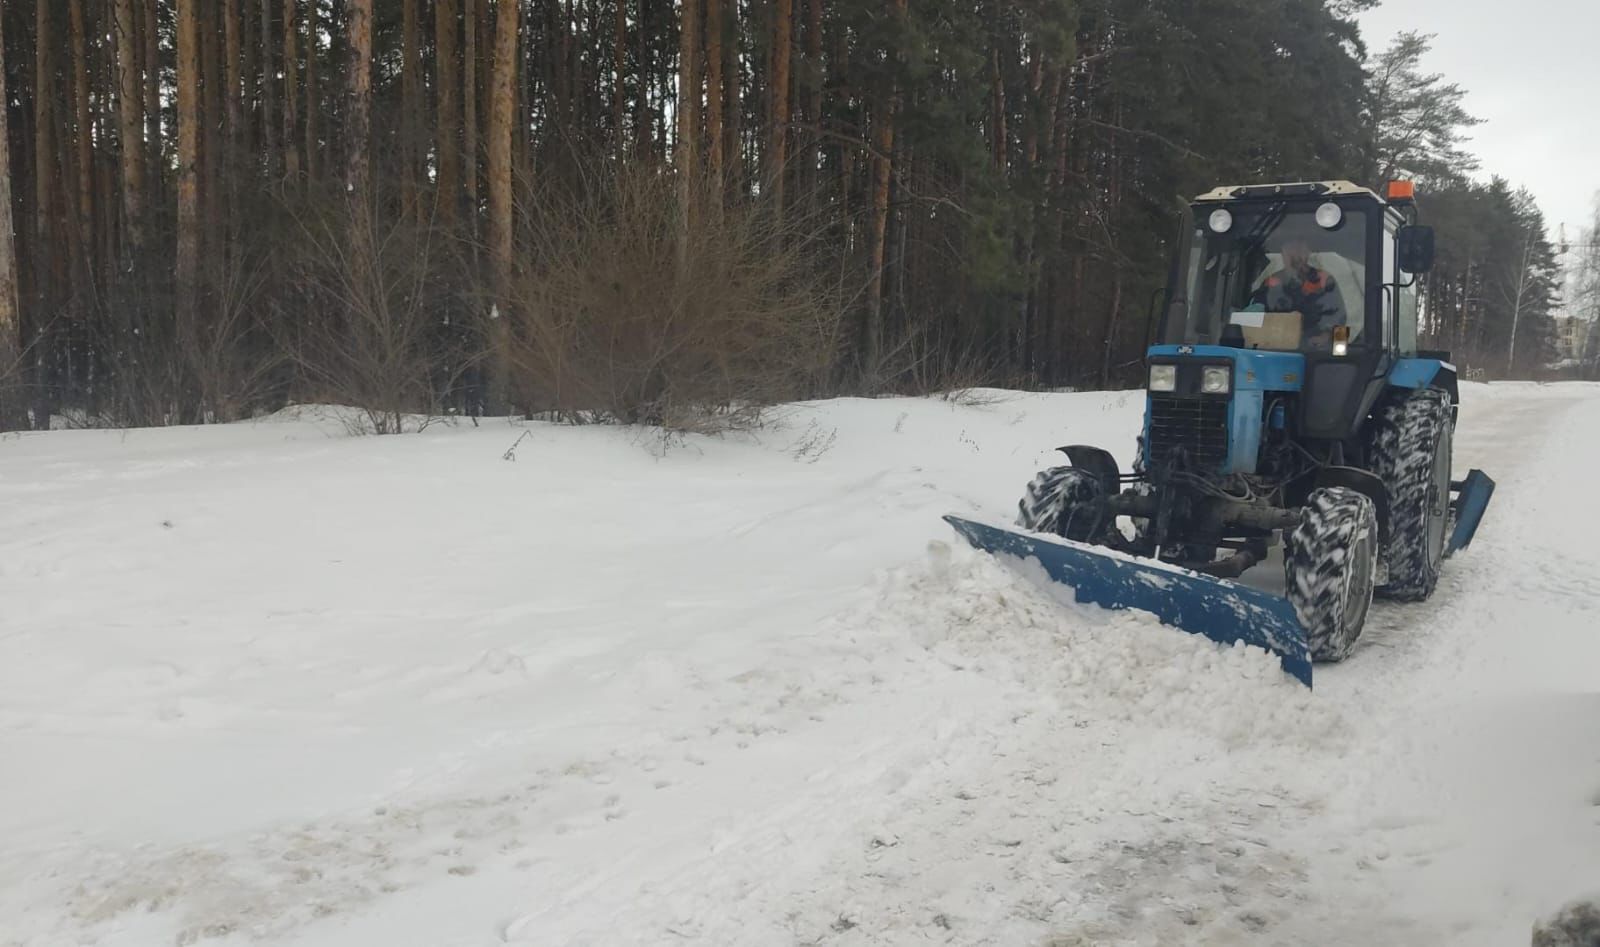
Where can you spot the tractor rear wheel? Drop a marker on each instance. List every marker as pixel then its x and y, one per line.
pixel 1064 501
pixel 1329 563
pixel 1410 452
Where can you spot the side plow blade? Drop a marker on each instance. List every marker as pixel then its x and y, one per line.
pixel 1223 611
pixel 1472 499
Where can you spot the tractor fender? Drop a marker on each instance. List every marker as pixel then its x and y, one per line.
pixel 1428 370
pixel 1365 483
pixel 1098 463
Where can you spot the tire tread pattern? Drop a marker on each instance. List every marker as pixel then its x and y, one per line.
pixel 1321 557
pixel 1406 435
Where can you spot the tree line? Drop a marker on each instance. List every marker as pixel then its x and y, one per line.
pixel 646 210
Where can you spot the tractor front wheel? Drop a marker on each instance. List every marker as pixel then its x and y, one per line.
pixel 1064 501
pixel 1330 561
pixel 1410 453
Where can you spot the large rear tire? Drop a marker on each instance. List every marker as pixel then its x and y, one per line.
pixel 1410 452
pixel 1063 501
pixel 1330 562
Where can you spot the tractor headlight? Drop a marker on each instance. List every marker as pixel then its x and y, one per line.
pixel 1163 377
pixel 1221 221
pixel 1215 380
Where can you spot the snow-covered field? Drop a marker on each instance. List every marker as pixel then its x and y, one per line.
pixel 271 684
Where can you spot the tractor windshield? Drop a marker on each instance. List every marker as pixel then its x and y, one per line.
pixel 1276 276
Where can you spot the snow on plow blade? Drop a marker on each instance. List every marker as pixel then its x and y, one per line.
pixel 1225 612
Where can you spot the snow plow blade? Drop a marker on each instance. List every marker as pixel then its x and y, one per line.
pixel 1472 499
pixel 1225 612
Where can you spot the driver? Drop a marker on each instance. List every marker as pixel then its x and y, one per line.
pixel 1300 287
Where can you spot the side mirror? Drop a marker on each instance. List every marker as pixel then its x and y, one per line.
pixel 1415 249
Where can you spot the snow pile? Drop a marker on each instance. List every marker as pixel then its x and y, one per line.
pixel 1011 622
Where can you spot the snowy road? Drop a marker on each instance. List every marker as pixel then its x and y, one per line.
pixel 267 684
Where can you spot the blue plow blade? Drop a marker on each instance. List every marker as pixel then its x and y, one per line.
pixel 1469 506
pixel 1225 612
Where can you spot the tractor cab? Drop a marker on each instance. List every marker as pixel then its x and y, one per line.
pixel 1290 305
pixel 1317 268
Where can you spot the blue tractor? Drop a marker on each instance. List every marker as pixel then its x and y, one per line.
pixel 1288 405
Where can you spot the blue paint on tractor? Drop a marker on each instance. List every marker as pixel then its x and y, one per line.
pixel 1415 372
pixel 1253 369
pixel 1255 372
pixel 1224 612
pixel 1244 432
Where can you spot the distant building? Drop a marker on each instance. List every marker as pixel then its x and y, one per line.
pixel 1572 337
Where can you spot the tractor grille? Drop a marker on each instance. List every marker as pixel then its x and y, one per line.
pixel 1196 426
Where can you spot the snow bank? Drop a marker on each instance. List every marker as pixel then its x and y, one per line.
pixel 267 683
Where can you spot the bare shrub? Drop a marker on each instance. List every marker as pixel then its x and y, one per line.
pixel 152 371
pixel 231 355
pixel 376 334
pixel 631 304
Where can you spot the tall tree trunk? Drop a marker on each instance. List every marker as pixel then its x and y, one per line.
pixel 188 171
pixel 233 90
pixel 688 111
pixel 291 98
pixel 814 84
pixel 269 96
pixel 997 110
pixel 502 104
pixel 130 127
pixel 13 413
pixel 251 80
pixel 469 110
pixel 714 95
pixel 686 147
pixel 643 123
pixel 411 106
pixel 882 171
pixel 358 122
pixel 83 137
pixel 1030 129
pixel 446 70
pixel 313 96
pixel 502 112
pixel 44 153
pixel 213 172
pixel 778 147
pixel 882 167
pixel 152 100
pixel 619 68
pixel 733 111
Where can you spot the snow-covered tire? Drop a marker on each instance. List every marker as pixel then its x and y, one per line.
pixel 1409 451
pixel 1329 564
pixel 1064 501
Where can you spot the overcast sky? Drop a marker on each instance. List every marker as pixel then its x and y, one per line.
pixel 1531 69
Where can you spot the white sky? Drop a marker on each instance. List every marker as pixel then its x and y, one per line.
pixel 1532 71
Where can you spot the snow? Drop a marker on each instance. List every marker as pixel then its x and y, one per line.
pixel 269 683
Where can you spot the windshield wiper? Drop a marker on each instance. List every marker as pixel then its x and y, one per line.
pixel 1250 242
